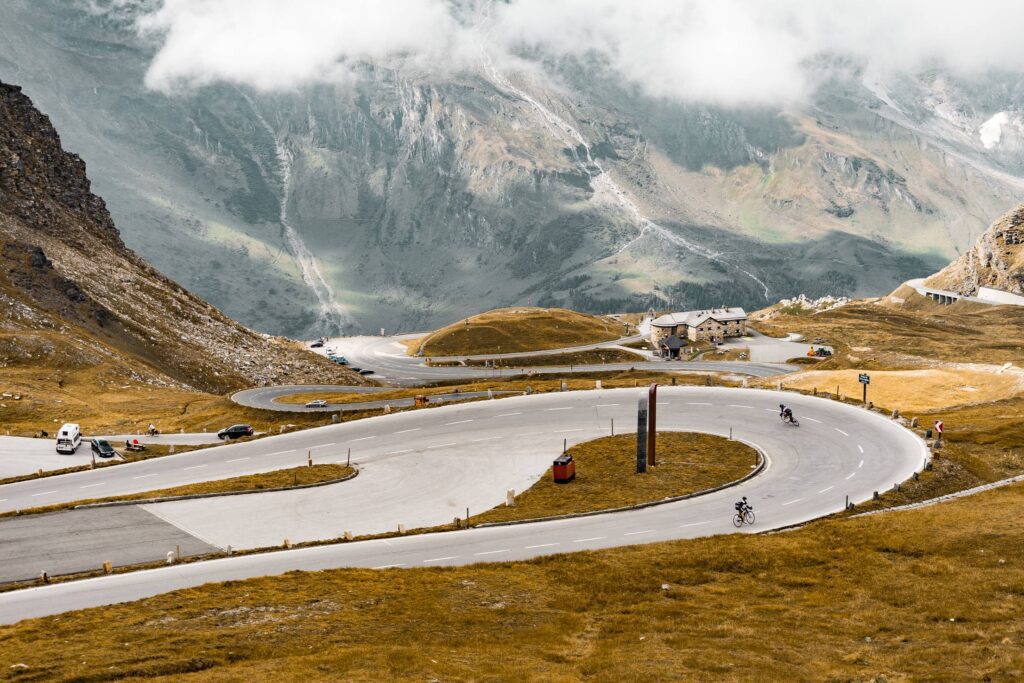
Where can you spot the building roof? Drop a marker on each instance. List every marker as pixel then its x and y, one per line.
pixel 694 318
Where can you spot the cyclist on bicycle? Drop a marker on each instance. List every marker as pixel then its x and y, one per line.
pixel 785 413
pixel 743 506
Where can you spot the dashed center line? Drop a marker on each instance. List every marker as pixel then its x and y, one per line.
pixel 406 450
pixel 795 500
pixel 734 405
pixel 322 445
pixel 89 486
pixel 827 488
pixel 490 438
pixel 694 403
pixel 441 445
pixel 194 467
pixel 364 438
pixel 457 422
pixel 811 419
pixel 637 533
pixel 850 475
pixel 840 431
pixel 683 526
pixel 860 448
pixel 441 559
pixel 406 431
pixel 280 452
pixel 542 545
pixel 606 405
pixel 236 460
pixel 563 431
pixel 143 476
pixel 44 493
pixel 507 414
pixel 554 409
pixel 491 552
pixel 860 465
pixel 592 538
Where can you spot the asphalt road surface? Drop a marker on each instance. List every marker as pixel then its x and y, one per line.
pixel 838 451
pixel 266 398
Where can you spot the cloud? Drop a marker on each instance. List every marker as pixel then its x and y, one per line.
pixel 730 52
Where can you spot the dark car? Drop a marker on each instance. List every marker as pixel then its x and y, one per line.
pixel 103 449
pixel 316 345
pixel 235 432
pixel 366 372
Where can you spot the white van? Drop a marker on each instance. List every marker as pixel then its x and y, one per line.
pixel 69 438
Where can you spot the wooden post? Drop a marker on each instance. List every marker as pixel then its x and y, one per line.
pixel 641 436
pixel 652 424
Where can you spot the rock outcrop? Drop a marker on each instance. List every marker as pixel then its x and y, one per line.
pixel 63 265
pixel 996 260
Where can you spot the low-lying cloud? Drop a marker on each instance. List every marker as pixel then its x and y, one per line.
pixel 730 52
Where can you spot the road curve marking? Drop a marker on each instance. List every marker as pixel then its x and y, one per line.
pixel 406 431
pixel 860 448
pixel 735 405
pixel 606 405
pixel 860 465
pixel 695 403
pixel 280 452
pixel 563 431
pixel 322 445
pixel 236 460
pixel 489 438
pixel 441 559
pixel 406 450
pixel 507 414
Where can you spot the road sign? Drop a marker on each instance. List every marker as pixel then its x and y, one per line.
pixel 864 378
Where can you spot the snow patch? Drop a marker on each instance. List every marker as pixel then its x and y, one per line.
pixel 991 132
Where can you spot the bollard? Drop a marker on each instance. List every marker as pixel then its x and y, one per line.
pixel 613 426
pixel 334 417
pixel 457 522
pixel 40 472
pixel 565 444
pixel 490 393
pixel 107 568
pixel 847 506
pixel 170 557
pixel 895 413
pixel 280 429
pixel 230 550
pixel 348 460
pixel 875 496
pixel 177 552
pixel 92 465
pixel 564 386
pixel 309 458
pixel 730 433
pixel 673 380
pixel 401 528
pixel 170 450
pixel 387 408
pixel 916 476
pixel 814 391
pixel 597 384
pixel 347 535
pixel 287 543
pixel 44 577
pixel 510 498
pixel 913 422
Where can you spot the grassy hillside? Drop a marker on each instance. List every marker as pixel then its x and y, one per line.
pixel 509 330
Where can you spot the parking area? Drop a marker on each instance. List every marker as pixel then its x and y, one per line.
pixel 21 455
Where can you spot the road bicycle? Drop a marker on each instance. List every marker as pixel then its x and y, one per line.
pixel 741 518
pixel 792 421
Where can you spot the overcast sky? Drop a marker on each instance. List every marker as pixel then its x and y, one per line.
pixel 731 52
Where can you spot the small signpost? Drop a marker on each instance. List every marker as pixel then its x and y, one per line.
pixel 865 380
pixel 641 435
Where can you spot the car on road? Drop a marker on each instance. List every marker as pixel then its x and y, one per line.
pixel 102 448
pixel 68 438
pixel 317 403
pixel 366 372
pixel 317 344
pixel 340 360
pixel 355 369
pixel 235 432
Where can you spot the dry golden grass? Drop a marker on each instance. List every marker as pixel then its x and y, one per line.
pixel 606 475
pixel 915 390
pixel 292 476
pixel 589 357
pixel 930 594
pixel 508 330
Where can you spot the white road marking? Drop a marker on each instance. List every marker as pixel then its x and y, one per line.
pixel 280 452
pixel 542 545
pixel 369 437
pixel 3 500
pixel 562 408
pixel 635 533
pixel 44 493
pixel 194 467
pixel 321 445
pixel 733 405
pixel 592 538
pixel 388 566
pixel 850 476
pixel 769 410
pixel 406 431
pixel 457 422
pixel 441 559
pixel 698 404
pixel 662 403
pixel 840 431
pixel 491 552
pixel 143 476
pixel 683 526
pixel 507 414
pixel 860 448
pixel 236 460
pixel 860 465
pixel 606 405
pixel 795 500
pixel 441 445
pixel 812 419
pixel 406 450
pixel 89 486
pixel 827 488
pixel 490 438
pixel 563 431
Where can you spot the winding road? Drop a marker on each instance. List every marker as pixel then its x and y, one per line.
pixel 424 467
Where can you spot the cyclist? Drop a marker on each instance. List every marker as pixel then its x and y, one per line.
pixel 785 413
pixel 742 506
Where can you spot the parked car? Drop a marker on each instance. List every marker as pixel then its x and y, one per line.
pixel 68 438
pixel 235 432
pixel 340 360
pixel 366 372
pixel 355 369
pixel 318 403
pixel 102 448
pixel 316 345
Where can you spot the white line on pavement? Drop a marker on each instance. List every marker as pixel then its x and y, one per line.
pixel 281 452
pixel 236 460
pixel 635 533
pixel 89 486
pixel 542 545
pixel 407 450
pixel 388 566
pixel 554 409
pixel 322 445
pixel 563 431
pixel 683 526
pixel 733 405
pixel 795 500
pixel 827 488
pixel 370 437
pixel 507 414
pixel 44 493
pixel 860 448
pixel 812 419
pixel 606 405
pixel 840 431
pixel 860 465
pixel 491 552
pixel 194 467
pixel 457 422
pixel 441 559
pixel 850 475
pixel 143 476
pixel 441 445
pixel 592 538
pixel 490 438
pixel 406 431
pixel 698 404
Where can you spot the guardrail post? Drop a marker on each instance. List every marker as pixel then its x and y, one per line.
pixel 401 528
pixel 170 557
pixel 107 567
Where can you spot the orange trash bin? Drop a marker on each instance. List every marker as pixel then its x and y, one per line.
pixel 564 469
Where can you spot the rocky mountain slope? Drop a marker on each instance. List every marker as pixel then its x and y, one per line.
pixel 69 285
pixel 408 200
pixel 996 260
